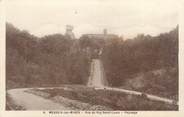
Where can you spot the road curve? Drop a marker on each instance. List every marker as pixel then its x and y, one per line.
pixel 33 102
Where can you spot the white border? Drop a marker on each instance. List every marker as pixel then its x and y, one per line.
pixel 179 113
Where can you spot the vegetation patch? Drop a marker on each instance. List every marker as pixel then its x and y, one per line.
pixel 112 99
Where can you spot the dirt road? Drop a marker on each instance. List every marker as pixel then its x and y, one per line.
pixel 33 102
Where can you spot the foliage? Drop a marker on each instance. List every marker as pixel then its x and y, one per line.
pixel 110 99
pixel 56 59
pixel 50 60
pixel 125 60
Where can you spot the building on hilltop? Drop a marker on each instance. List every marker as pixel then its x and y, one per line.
pixel 104 35
pixel 69 32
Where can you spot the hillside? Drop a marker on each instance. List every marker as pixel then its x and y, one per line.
pixel 145 63
pixel 55 59
pixel 50 60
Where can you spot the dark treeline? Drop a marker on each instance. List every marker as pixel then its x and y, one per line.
pixel 56 59
pixel 52 59
pixel 141 54
pixel 144 63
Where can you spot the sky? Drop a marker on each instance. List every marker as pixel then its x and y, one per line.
pixel 125 18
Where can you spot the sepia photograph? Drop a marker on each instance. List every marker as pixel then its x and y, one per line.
pixel 92 55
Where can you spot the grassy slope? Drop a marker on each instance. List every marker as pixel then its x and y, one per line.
pixel 111 99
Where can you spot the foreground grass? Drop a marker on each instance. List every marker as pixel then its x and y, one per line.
pixel 111 99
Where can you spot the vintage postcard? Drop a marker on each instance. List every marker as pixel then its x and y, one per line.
pixel 92 57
